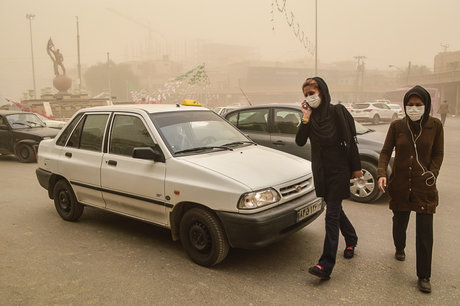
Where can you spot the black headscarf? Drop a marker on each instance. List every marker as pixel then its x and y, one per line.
pixel 424 95
pixel 322 117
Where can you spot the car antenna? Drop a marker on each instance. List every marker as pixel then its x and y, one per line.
pixel 247 98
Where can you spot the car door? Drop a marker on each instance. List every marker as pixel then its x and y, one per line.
pixel 383 113
pixel 389 112
pixel 80 159
pixel 6 145
pixel 132 186
pixel 253 123
pixel 285 123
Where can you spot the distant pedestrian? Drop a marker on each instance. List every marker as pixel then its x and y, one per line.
pixel 418 140
pixel 443 110
pixel 335 160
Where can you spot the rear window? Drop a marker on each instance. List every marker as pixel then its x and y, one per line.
pixel 361 105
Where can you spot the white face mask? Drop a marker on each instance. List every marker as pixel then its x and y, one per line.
pixel 415 112
pixel 314 100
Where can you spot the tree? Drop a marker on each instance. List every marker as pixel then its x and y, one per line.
pixel 122 80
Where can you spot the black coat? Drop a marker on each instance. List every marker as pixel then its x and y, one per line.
pixel 334 163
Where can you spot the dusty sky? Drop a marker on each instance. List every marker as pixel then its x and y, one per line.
pixel 386 32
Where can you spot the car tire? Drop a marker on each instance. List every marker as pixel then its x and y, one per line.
pixel 203 237
pixel 25 153
pixel 395 117
pixel 65 201
pixel 376 119
pixel 365 189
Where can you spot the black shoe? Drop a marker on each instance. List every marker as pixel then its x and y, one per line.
pixel 424 285
pixel 400 255
pixel 319 272
pixel 349 252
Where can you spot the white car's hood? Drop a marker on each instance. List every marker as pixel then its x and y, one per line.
pixel 255 166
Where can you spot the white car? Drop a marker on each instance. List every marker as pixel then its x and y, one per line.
pixel 55 124
pixel 397 108
pixel 373 112
pixel 180 167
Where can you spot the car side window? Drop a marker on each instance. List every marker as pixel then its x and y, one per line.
pixel 89 133
pixel 286 121
pixel 65 135
pixel 233 118
pixel 2 122
pixel 252 120
pixel 128 132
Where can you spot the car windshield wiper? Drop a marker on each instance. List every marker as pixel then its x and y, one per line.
pixel 36 123
pixel 203 148
pixel 366 131
pixel 236 143
pixel 21 123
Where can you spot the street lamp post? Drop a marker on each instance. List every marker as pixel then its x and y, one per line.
pixel 31 17
pixel 402 71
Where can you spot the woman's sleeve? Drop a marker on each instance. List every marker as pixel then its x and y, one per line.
pixel 437 153
pixel 302 134
pixel 354 159
pixel 387 150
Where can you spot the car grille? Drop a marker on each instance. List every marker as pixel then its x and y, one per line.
pixel 296 188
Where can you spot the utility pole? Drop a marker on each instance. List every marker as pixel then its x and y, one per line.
pixel 316 37
pixel 408 72
pixel 108 77
pixel 359 74
pixel 31 17
pixel 78 53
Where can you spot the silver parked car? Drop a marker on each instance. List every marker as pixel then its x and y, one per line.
pixel 275 126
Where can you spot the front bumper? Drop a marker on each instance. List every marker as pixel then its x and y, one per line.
pixel 261 229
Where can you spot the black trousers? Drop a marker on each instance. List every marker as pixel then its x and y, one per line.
pixel 335 220
pixel 423 238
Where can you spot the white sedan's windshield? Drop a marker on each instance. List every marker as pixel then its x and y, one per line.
pixel 196 131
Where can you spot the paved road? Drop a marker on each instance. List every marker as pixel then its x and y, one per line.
pixel 109 259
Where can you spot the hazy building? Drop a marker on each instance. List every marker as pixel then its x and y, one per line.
pixel 446 77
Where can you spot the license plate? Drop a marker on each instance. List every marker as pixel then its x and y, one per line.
pixel 309 210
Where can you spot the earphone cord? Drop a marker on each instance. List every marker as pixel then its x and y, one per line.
pixel 431 180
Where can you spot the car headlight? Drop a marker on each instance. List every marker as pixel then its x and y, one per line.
pixel 257 199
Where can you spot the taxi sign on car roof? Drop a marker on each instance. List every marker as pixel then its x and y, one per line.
pixel 190 102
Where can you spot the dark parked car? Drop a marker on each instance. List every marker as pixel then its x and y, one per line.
pixel 20 134
pixel 275 126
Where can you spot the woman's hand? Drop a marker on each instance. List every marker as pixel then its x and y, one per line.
pixel 357 174
pixel 306 110
pixel 382 184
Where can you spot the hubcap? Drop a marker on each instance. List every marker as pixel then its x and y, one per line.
pixel 363 186
pixel 199 237
pixel 24 153
pixel 64 200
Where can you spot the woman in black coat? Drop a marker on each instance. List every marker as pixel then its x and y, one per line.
pixel 335 159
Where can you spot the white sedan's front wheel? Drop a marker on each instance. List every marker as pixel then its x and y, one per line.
pixel 203 237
